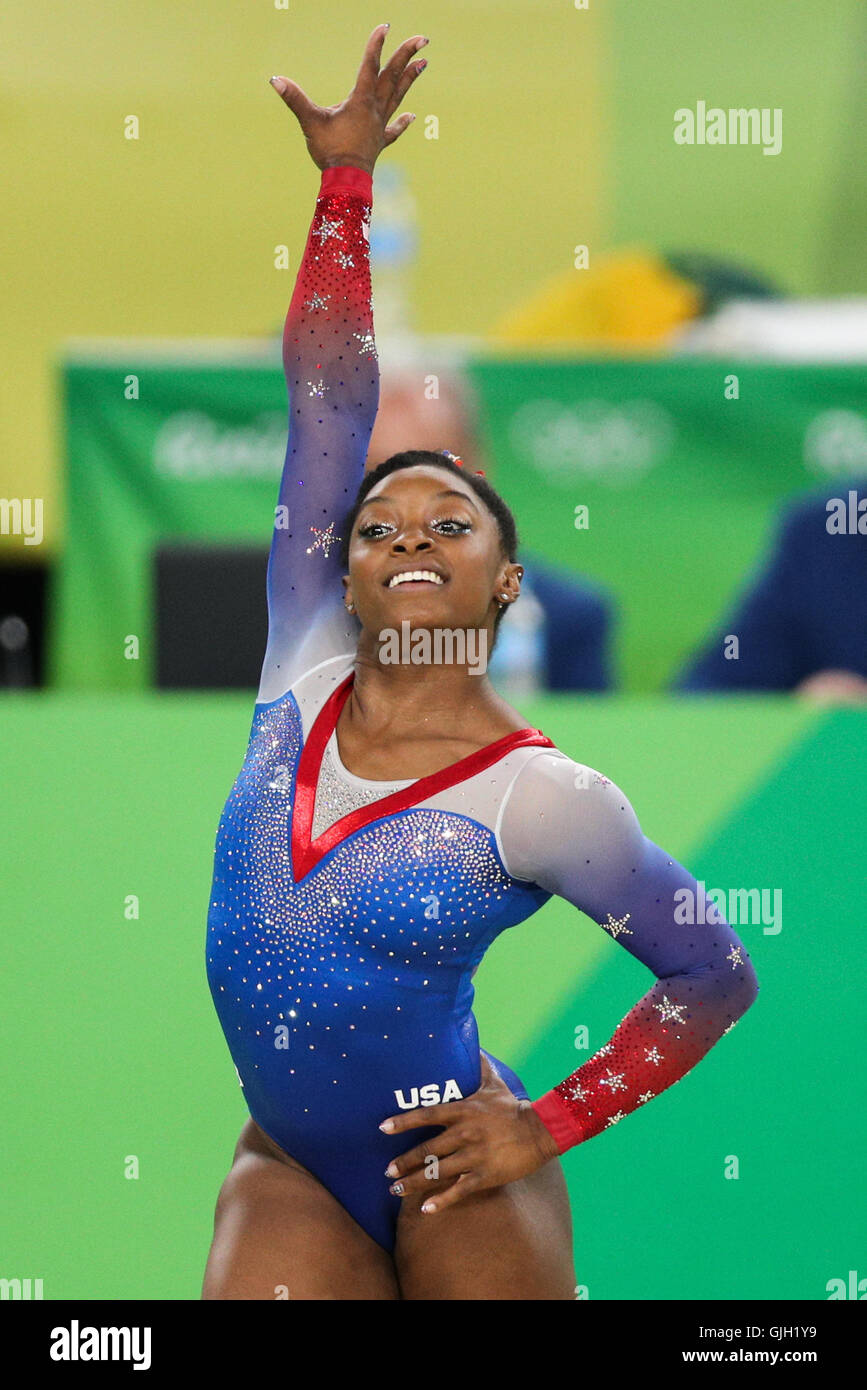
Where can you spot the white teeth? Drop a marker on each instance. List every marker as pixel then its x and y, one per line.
pixel 414 574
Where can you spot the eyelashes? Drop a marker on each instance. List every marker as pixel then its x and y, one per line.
pixel 463 526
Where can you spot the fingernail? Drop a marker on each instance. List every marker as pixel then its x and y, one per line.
pixel 428 1206
pixel 391 1171
pixel 397 1189
pixel 387 1125
pixel 422 65
pixel 278 83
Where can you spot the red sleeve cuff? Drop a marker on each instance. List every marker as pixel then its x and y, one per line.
pixel 346 178
pixel 558 1121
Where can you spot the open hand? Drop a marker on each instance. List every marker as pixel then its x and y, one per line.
pixel 357 130
pixel 490 1138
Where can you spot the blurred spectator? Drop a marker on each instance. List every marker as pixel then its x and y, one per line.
pixel 566 643
pixel 801 624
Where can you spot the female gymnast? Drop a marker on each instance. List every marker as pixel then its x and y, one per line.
pixel 389 821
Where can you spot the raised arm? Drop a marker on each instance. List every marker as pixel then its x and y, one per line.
pixel 332 377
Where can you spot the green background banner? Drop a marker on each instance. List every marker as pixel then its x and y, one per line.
pixel 114 1048
pixel 681 484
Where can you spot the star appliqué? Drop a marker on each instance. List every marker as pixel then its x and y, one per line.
pixel 324 539
pixel 368 346
pixel 669 1010
pixel 317 301
pixel 616 927
pixel 328 227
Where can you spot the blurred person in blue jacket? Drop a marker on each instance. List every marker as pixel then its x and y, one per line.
pixel 801 621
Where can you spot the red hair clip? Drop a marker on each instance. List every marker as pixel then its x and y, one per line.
pixel 455 458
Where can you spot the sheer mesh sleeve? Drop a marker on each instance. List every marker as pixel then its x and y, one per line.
pixel 332 376
pixel 573 832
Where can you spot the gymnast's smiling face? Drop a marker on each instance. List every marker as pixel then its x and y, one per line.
pixel 425 519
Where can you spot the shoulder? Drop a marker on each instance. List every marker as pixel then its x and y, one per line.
pixel 560 812
pixel 311 690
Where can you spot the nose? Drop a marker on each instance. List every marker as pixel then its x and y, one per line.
pixel 411 540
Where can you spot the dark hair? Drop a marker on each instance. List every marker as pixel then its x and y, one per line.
pixel 411 458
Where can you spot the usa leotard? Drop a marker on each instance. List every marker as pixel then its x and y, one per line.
pixel 347 916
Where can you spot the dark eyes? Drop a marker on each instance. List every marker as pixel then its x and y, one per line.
pixel 372 527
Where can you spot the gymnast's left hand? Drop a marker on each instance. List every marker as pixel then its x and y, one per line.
pixel 490 1138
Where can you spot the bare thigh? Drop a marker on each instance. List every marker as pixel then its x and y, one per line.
pixel 511 1242
pixel 278 1233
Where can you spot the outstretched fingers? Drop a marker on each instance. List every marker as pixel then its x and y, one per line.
pixel 396 128
pixel 368 72
pixel 396 80
pixel 295 98
pixel 404 82
pixel 398 92
pixel 399 71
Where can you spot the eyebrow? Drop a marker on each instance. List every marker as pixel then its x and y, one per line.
pixel 449 492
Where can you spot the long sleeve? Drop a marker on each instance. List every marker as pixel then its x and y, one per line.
pixel 332 378
pixel 572 831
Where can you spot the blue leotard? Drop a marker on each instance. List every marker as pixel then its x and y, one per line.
pixel 347 916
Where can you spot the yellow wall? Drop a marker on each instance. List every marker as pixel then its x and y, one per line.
pixel 555 128
pixel 173 234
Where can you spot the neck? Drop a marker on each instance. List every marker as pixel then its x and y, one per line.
pixel 426 697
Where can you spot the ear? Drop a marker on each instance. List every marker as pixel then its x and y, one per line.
pixel 510 581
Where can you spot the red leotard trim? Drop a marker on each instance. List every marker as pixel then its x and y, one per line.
pixel 306 853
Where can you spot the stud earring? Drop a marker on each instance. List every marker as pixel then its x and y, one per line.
pixel 350 607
